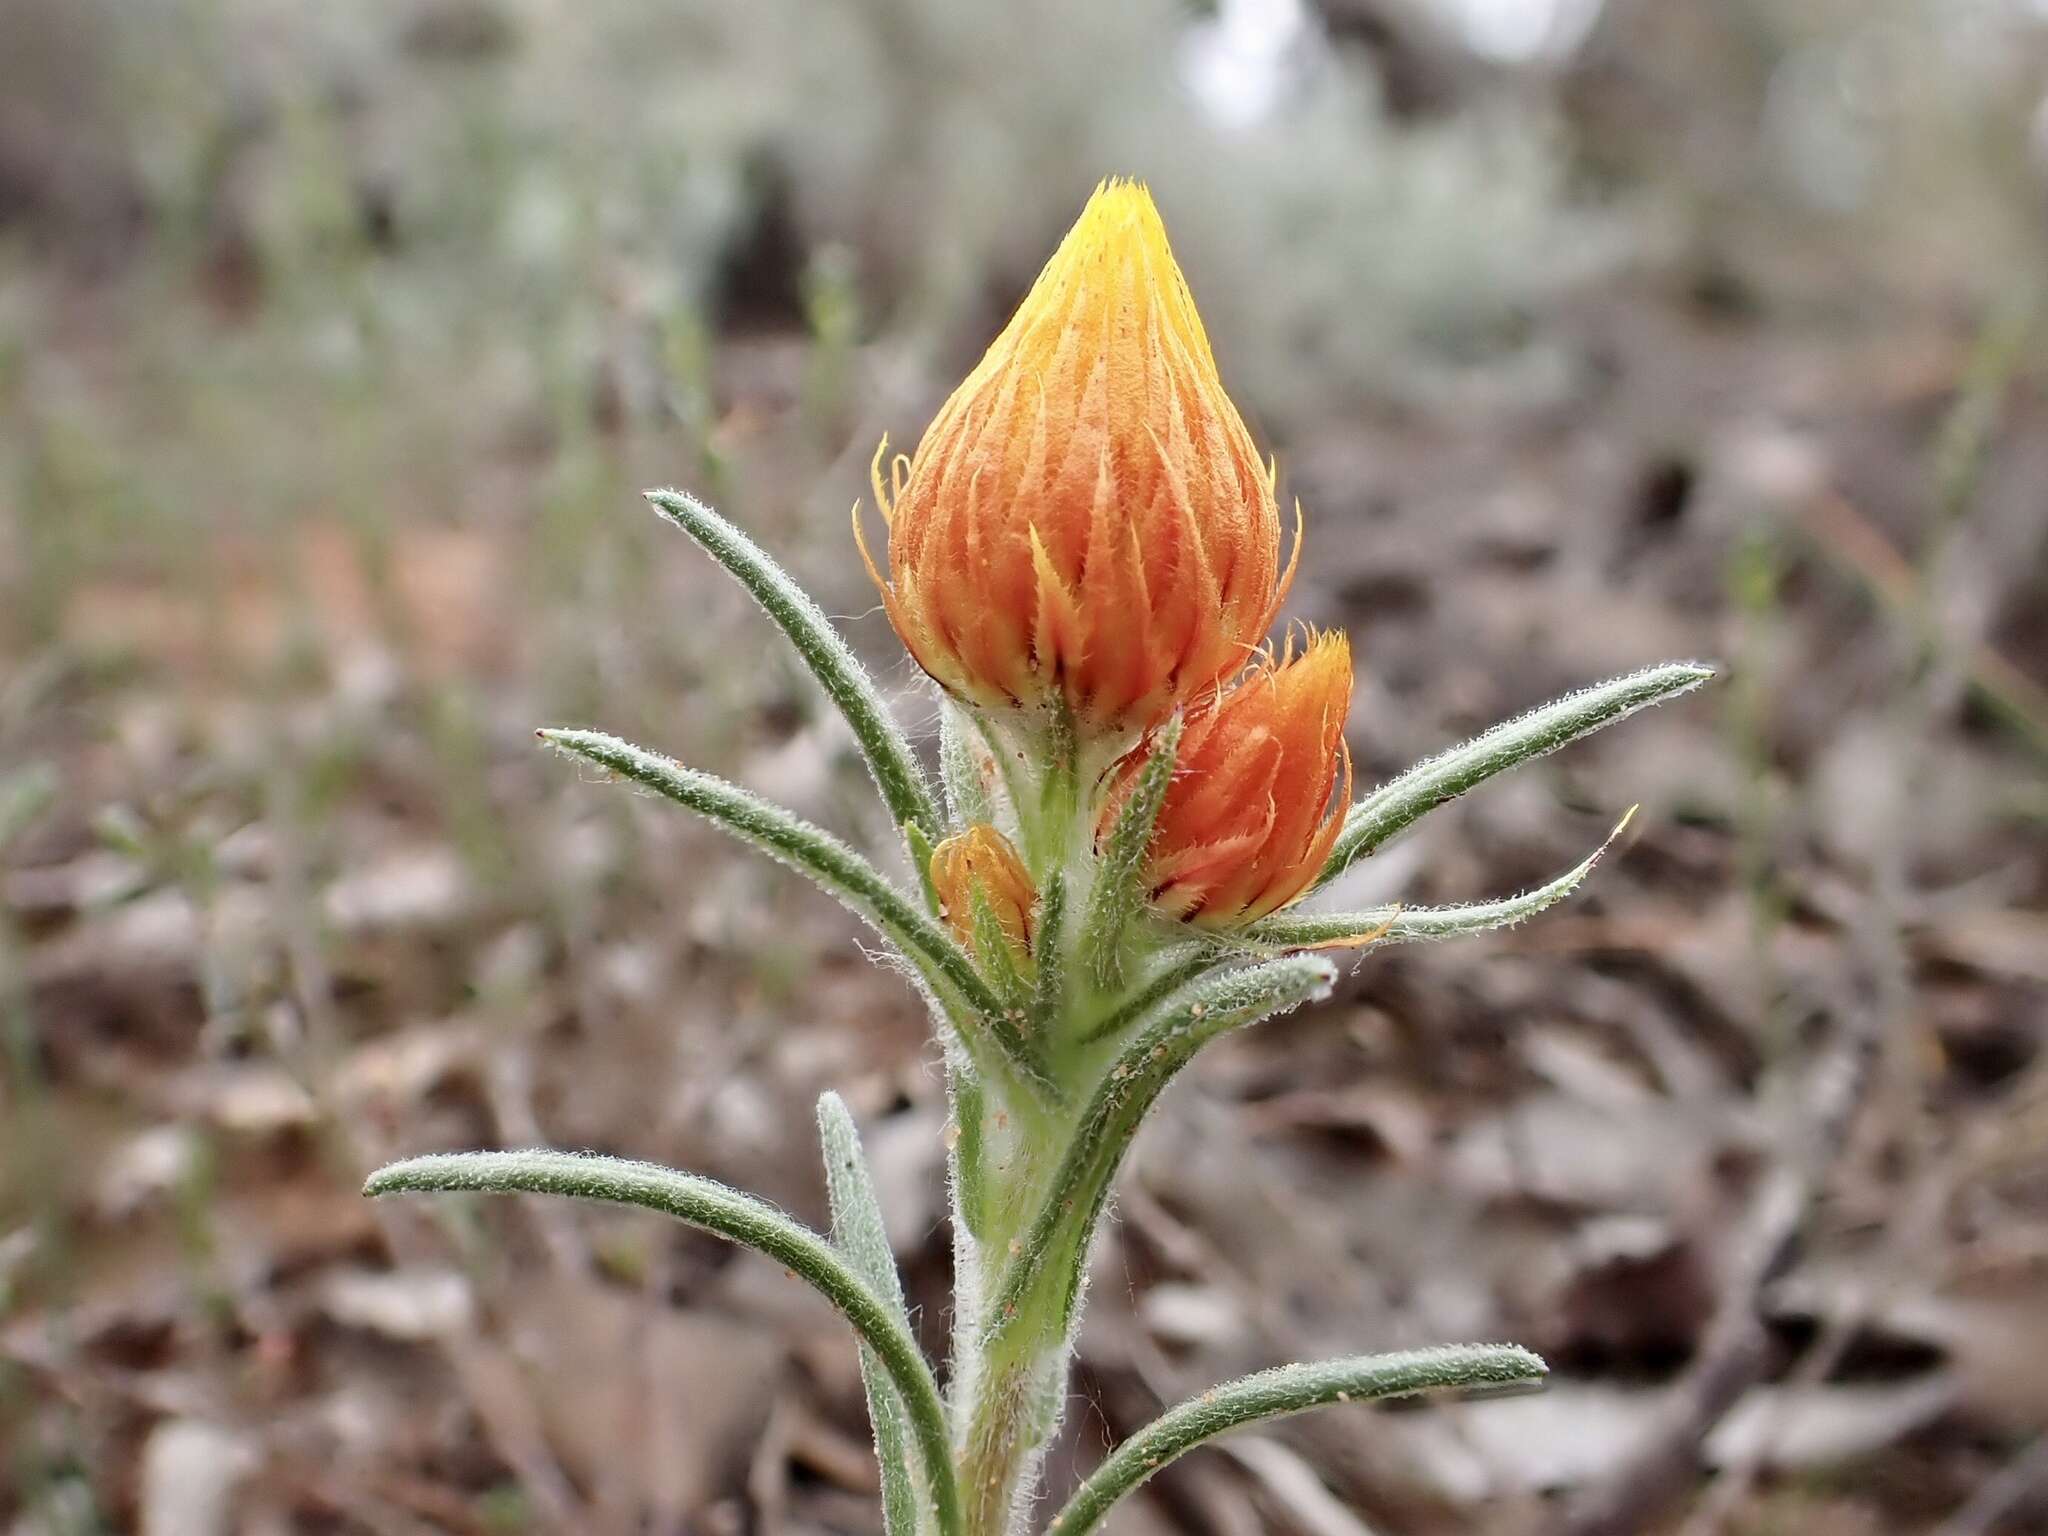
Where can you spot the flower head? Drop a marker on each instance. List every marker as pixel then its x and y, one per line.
pixel 982 863
pixel 1249 816
pixel 1087 516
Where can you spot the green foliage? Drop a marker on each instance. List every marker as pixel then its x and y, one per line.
pixel 1408 925
pixel 1067 1214
pixel 1041 1039
pixel 741 1218
pixel 1392 809
pixel 989 1029
pixel 1288 1389
pixel 1063 1047
pixel 889 757
pixel 859 1233
pixel 1119 893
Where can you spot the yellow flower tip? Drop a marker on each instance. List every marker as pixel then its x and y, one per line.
pixel 1260 790
pixel 982 862
pixel 1087 517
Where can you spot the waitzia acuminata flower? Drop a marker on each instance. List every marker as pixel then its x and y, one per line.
pixel 1134 792
pixel 1086 518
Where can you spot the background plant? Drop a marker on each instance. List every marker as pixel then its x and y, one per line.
pixel 1127 812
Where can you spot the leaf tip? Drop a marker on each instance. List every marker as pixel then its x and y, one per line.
pixel 1676 677
pixel 380 1182
pixel 832 1112
pixel 561 737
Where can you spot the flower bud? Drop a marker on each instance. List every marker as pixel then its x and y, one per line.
pixel 1249 816
pixel 981 862
pixel 1087 517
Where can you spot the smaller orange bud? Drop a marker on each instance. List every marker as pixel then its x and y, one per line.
pixel 982 861
pixel 1249 817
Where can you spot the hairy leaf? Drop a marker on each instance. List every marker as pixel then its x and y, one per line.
pixel 1396 806
pixel 861 887
pixel 1407 925
pixel 742 1218
pixel 1275 1394
pixel 859 1233
pixel 844 679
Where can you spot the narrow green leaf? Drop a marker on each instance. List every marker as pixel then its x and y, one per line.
pixel 744 1219
pixel 1049 951
pixel 1057 1242
pixel 860 1234
pixel 970 1181
pixel 1119 894
pixel 965 767
pixel 1396 806
pixel 858 885
pixel 921 849
pixel 999 958
pixel 1277 1393
pixel 1407 925
pixel 844 679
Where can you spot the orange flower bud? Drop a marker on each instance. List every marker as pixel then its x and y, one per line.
pixel 1249 817
pixel 982 860
pixel 1087 515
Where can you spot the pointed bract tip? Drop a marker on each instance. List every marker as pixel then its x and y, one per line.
pixel 1692 672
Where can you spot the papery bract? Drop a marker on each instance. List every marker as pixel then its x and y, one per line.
pixel 1250 815
pixel 1087 517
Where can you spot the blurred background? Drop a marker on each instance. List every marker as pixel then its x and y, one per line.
pixel 335 344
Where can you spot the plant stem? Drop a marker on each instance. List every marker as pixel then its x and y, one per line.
pixel 1008 1380
pixel 1009 1374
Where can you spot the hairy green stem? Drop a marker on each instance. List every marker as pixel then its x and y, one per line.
pixel 1033 1267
